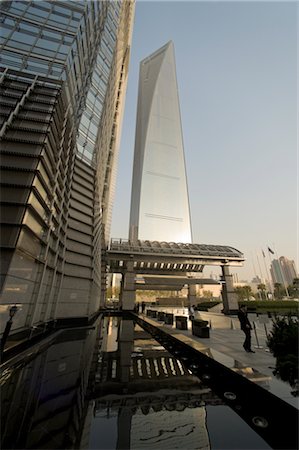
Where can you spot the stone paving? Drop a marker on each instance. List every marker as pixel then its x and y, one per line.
pixel 227 338
pixel 226 346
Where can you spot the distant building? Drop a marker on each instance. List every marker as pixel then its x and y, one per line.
pixel 256 280
pixel 203 289
pixel 283 271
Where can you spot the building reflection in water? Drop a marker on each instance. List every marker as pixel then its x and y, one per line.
pixel 43 396
pixel 113 387
pixel 145 396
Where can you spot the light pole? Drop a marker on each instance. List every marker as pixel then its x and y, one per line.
pixel 12 312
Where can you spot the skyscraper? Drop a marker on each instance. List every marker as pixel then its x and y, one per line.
pixel 64 70
pixel 159 201
pixel 283 271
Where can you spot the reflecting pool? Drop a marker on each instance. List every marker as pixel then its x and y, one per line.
pixel 114 387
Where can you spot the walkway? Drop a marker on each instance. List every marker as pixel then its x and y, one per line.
pixel 227 337
pixel 226 341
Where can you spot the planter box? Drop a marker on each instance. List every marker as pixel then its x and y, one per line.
pixel 200 328
pixel 181 322
pixel 168 319
pixel 161 316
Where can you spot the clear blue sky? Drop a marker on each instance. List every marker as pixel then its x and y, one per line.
pixel 237 78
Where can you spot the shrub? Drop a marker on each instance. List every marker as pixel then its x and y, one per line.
pixel 271 306
pixel 283 343
pixel 205 306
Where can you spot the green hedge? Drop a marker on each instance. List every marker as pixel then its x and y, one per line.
pixel 271 305
pixel 205 306
pixel 260 306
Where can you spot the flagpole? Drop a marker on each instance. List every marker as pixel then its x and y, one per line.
pixel 270 262
pixel 268 275
pixel 262 275
pixel 255 274
pixel 281 272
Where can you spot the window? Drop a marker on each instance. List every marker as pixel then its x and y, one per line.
pixel 23 37
pixel 47 44
pixel 33 224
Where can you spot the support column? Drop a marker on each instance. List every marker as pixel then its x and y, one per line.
pixel 103 285
pixel 229 297
pixel 124 424
pixel 125 347
pixel 121 288
pixel 128 291
pixel 192 294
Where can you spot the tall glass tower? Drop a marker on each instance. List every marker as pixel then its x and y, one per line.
pixel 64 69
pixel 159 202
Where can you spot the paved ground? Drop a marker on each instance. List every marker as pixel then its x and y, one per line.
pixel 227 338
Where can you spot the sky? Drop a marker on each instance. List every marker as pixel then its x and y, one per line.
pixel 237 70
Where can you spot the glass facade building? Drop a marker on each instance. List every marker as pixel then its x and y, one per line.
pixel 283 271
pixel 159 203
pixel 64 68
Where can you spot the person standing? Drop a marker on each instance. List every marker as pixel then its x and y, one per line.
pixel 245 327
pixel 191 312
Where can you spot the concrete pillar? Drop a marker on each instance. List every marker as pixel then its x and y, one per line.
pixel 192 294
pixel 120 300
pixel 103 286
pixel 128 291
pixel 125 346
pixel 124 424
pixel 229 297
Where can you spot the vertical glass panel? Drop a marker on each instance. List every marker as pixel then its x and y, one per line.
pixel 33 224
pixel 37 206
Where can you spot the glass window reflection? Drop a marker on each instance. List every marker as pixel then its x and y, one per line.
pixel 33 224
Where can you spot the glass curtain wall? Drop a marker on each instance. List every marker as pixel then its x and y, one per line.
pixel 63 80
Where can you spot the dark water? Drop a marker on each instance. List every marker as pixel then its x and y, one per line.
pixel 114 387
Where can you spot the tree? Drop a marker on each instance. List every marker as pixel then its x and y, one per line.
pixel 293 289
pixel 283 343
pixel 279 291
pixel 112 292
pixel 262 288
pixel 243 292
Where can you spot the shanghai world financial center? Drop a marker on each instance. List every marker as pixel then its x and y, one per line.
pixel 64 67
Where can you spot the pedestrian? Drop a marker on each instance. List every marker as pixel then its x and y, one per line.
pixel 245 327
pixel 191 312
pixel 142 307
